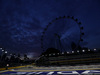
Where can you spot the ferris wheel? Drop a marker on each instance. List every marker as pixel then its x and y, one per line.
pixel 63 33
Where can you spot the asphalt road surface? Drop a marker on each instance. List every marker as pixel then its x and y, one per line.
pixel 63 70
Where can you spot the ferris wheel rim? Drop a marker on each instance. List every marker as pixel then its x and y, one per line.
pixel 68 17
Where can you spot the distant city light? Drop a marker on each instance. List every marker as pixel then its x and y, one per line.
pixel 88 49
pixel 72 51
pixel 7 65
pixel 49 54
pixel 58 53
pixel 67 52
pixel 77 51
pixel 83 50
pixel 5 51
pixel 2 50
pixel 62 52
pixel 95 49
pixel 54 54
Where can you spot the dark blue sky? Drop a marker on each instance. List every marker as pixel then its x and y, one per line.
pixel 22 21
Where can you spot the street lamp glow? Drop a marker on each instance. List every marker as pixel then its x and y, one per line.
pixel 62 52
pixel 72 51
pixel 83 50
pixel 5 51
pixel 49 54
pixel 95 49
pixel 54 54
pixel 78 51
pixel 2 50
pixel 88 49
pixel 68 52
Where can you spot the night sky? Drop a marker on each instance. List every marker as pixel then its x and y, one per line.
pixel 22 22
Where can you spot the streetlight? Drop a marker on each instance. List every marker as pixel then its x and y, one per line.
pixel 72 51
pixel 49 54
pixel 54 54
pixel 62 52
pixel 11 54
pixel 83 50
pixel 88 49
pixel 0 48
pixel 95 49
pixel 78 51
pixel 6 52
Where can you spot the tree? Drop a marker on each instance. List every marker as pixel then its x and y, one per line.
pixel 25 57
pixel 18 55
pixel 4 57
pixel 7 59
pixel 73 45
pixel 51 50
pixel 12 58
pixel 0 57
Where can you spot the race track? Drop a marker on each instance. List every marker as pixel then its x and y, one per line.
pixel 63 70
